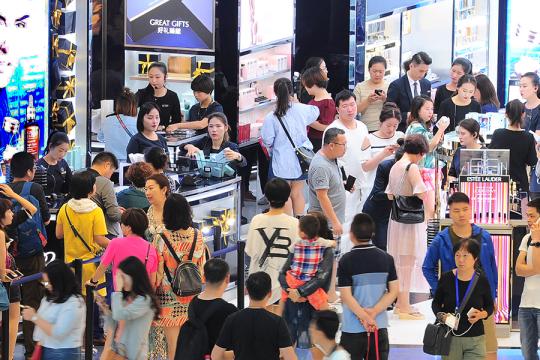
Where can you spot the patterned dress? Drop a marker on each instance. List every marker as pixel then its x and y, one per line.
pixel 174 308
pixel 157 343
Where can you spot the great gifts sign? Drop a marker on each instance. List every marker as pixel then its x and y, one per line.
pixel 170 24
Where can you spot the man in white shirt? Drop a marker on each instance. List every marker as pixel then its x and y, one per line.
pixel 529 308
pixel 357 160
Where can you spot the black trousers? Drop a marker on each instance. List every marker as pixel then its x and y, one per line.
pixel 31 294
pixel 357 345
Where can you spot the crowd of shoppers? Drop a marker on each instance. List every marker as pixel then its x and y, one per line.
pixel 370 146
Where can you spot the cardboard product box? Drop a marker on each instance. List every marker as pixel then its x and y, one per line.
pixel 64 22
pixel 66 53
pixel 66 89
pixel 145 60
pixel 181 64
pixel 203 67
pixel 66 119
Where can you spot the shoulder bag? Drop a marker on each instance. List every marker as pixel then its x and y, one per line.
pixel 77 234
pixel 123 125
pixel 407 209
pixel 303 154
pixel 438 336
pixel 187 279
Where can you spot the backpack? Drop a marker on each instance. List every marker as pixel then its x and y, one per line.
pixel 192 343
pixel 187 279
pixel 31 234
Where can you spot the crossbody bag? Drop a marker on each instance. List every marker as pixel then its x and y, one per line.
pixel 303 154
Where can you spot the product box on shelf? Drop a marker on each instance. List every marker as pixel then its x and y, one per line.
pixel 255 130
pixel 145 60
pixel 244 131
pixel 65 116
pixel 66 53
pixel 247 98
pixel 203 67
pixel 66 89
pixel 64 22
pixel 278 63
pixel 184 65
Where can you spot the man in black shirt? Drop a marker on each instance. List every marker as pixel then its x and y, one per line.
pixel 255 333
pixel 209 304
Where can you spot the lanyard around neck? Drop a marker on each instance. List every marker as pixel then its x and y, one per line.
pixel 466 292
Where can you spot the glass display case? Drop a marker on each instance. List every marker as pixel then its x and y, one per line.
pixel 471 32
pixel 383 39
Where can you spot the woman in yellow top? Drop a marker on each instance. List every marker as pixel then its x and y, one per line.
pixel 81 224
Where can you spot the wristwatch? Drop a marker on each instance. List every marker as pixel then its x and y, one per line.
pixel 536 244
pixel 34 318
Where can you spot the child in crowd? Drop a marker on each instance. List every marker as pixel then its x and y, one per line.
pixel 308 254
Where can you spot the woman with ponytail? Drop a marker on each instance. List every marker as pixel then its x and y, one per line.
pixel 118 128
pixel 520 143
pixel 296 118
pixel 469 138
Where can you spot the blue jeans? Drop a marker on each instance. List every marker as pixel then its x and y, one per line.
pixel 529 324
pixel 61 354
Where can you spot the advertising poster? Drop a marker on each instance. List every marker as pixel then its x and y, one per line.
pixel 522 43
pixel 265 21
pixel 170 24
pixel 23 76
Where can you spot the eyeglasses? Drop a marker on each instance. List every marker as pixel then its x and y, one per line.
pixel 345 144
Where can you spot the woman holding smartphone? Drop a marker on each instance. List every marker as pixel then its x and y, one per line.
pixel 8 269
pixel 58 325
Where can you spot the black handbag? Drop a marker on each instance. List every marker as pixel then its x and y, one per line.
pixel 437 339
pixel 303 154
pixel 187 278
pixel 407 209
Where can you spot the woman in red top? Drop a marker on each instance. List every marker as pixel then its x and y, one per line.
pixel 315 84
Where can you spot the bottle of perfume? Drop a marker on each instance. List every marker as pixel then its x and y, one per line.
pixel 31 130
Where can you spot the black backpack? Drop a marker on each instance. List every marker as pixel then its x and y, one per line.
pixel 192 343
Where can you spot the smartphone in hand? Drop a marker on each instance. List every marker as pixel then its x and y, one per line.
pixel 350 182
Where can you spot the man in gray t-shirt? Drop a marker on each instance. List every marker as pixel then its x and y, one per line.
pixel 325 180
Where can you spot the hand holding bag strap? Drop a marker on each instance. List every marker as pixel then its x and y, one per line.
pixel 286 132
pixel 123 125
pixel 75 232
